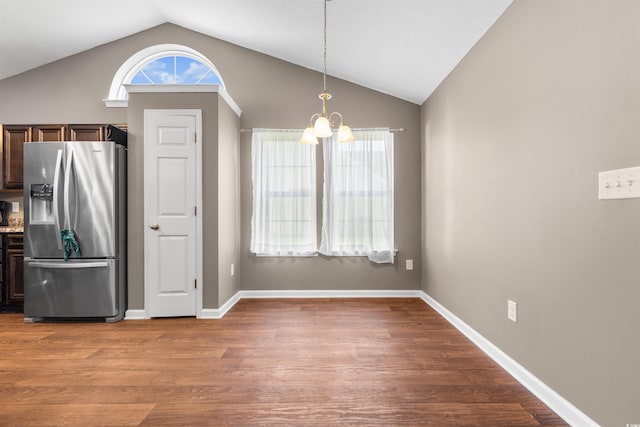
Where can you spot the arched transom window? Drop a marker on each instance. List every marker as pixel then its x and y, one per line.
pixel 166 64
pixel 175 69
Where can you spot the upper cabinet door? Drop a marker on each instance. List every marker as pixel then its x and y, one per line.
pixel 47 133
pixel 86 133
pixel 13 139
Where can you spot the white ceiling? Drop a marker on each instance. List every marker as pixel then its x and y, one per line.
pixel 401 47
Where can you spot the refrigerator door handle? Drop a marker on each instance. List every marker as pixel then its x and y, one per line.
pixel 66 265
pixel 67 183
pixel 56 213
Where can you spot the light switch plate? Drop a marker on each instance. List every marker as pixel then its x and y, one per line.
pixel 512 310
pixel 15 206
pixel 619 184
pixel 408 264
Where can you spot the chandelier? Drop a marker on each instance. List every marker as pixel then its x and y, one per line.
pixel 321 128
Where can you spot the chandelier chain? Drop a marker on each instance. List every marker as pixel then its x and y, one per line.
pixel 320 124
pixel 325 48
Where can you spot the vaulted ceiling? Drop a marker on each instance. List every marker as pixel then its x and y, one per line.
pixel 401 47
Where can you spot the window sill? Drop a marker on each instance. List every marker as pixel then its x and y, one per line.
pixel 395 254
pixel 315 254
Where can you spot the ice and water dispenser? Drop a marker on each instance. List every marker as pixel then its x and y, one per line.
pixel 41 204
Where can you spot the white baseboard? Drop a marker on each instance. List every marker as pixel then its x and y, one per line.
pixel 218 313
pixel 229 304
pixel 546 394
pixel 332 294
pixel 209 313
pixel 212 313
pixel 135 315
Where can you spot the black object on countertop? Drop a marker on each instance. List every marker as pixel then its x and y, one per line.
pixel 5 208
pixel 117 135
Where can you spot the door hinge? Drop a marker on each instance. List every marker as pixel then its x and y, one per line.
pixel 195 210
pixel 195 283
pixel 195 137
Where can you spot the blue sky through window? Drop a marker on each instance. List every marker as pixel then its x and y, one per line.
pixel 175 69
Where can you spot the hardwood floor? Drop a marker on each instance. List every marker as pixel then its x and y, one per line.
pixel 322 362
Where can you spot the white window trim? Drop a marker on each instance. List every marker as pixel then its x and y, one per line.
pixel 117 91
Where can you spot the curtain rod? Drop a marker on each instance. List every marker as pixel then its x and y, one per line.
pixel 302 130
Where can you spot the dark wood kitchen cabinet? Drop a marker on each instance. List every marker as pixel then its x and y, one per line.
pixel 12 272
pixel 47 133
pixel 86 133
pixel 13 275
pixel 13 138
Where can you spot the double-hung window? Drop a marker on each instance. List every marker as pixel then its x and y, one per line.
pixel 358 196
pixel 284 194
pixel 357 203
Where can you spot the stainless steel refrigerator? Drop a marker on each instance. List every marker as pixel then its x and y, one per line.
pixel 75 230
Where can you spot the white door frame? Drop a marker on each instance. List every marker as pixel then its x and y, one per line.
pixel 199 274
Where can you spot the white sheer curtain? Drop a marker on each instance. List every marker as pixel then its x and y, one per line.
pixel 284 194
pixel 358 196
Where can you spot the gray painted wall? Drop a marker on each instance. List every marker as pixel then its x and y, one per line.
pixel 228 202
pixel 282 95
pixel 513 142
pixel 208 103
pixel 272 94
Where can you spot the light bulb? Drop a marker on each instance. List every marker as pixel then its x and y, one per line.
pixel 308 137
pixel 345 134
pixel 322 128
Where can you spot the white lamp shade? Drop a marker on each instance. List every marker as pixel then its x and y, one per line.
pixel 345 134
pixel 322 127
pixel 308 137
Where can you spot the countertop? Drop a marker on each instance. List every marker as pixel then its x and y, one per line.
pixel 7 230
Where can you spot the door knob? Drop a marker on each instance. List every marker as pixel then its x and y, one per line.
pixel 154 226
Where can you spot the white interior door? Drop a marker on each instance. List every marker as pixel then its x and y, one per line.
pixel 172 182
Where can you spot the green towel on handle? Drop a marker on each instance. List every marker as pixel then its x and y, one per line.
pixel 69 243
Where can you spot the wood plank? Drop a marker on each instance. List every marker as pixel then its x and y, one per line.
pixel 332 414
pixel 273 362
pixel 74 415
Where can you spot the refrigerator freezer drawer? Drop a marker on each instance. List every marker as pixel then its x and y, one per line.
pixel 75 288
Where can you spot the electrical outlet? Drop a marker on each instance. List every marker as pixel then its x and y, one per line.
pixel 409 264
pixel 512 311
pixel 233 270
pixel 15 206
